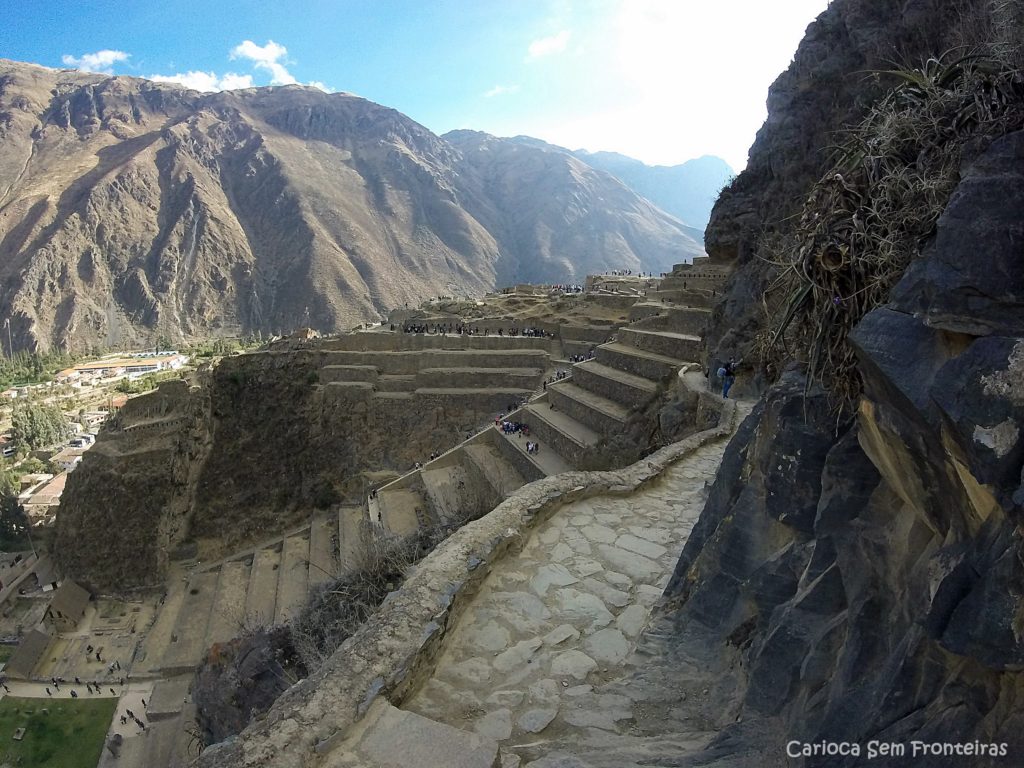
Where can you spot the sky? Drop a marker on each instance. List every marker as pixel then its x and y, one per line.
pixel 663 81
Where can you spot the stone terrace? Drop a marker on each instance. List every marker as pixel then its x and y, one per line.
pixel 265 585
pixel 568 420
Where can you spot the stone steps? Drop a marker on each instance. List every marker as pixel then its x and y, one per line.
pixel 519 459
pixel 228 615
pixel 627 389
pixel 681 346
pixel 513 393
pixel 503 477
pixel 577 347
pixel 637 361
pixel 350 538
pixel 556 430
pixel 547 460
pixel 603 416
pixel 396 382
pixel 322 553
pixel 188 642
pixel 398 395
pixel 411 362
pixel 441 490
pixel 292 579
pixel 398 510
pixel 645 309
pixel 332 373
pixel 261 597
pixel 689 320
pixel 464 377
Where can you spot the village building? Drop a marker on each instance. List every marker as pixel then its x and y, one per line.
pixel 27 655
pixel 45 499
pixel 69 457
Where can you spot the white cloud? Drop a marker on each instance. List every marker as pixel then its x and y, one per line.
pixel 500 90
pixel 548 46
pixel 100 61
pixel 269 57
pixel 206 81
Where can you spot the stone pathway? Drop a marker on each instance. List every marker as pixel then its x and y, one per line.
pixel 528 663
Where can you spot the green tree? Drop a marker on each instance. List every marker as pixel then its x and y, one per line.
pixel 8 482
pixel 13 524
pixel 31 367
pixel 34 425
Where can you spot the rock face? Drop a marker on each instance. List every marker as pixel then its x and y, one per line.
pixel 824 90
pixel 131 210
pixel 861 580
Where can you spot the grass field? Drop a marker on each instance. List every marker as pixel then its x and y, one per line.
pixel 69 734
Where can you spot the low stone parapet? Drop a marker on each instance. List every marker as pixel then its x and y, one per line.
pixel 394 652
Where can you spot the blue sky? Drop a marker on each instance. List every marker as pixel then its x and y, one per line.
pixel 660 80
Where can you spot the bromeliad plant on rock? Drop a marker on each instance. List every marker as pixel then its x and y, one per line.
pixel 871 213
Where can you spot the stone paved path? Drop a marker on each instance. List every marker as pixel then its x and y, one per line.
pixel 527 662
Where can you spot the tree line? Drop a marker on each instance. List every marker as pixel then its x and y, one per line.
pixel 32 367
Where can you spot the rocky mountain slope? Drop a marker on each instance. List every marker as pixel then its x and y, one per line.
pixel 549 208
pixel 131 209
pixel 687 191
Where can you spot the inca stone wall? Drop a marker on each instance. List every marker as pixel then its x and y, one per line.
pixel 262 441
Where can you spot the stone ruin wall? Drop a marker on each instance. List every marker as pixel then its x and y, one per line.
pixel 255 448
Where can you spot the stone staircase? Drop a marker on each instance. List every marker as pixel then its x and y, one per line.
pixel 569 420
pixel 264 585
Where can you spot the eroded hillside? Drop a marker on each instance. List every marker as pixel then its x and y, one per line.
pixel 131 210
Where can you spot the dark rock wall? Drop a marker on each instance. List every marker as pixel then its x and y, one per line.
pixel 828 86
pixel 862 579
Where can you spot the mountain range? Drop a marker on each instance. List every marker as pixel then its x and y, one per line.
pixel 131 209
pixel 687 191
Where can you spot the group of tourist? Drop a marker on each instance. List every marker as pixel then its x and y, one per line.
pixel 517 428
pixel 129 715
pixel 457 329
pixel 582 358
pixel 91 687
pixel 628 272
pixel 512 427
pixel 558 375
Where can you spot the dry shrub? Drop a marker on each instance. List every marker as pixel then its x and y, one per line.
pixel 333 614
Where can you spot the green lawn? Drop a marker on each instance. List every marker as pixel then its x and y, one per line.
pixel 69 734
pixel 6 651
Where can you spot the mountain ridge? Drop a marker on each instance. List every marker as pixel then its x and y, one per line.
pixel 686 190
pixel 131 209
